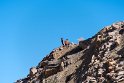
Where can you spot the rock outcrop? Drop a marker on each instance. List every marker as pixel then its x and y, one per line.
pixel 99 59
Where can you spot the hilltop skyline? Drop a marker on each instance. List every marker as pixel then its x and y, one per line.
pixel 29 30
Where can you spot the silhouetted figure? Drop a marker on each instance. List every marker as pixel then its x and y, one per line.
pixel 62 41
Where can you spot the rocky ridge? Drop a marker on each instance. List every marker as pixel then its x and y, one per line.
pixel 99 59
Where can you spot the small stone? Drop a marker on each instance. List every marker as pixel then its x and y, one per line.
pixel 116 26
pixel 121 63
pixel 121 73
pixel 118 77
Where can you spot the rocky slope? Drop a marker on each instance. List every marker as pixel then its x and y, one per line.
pixel 99 59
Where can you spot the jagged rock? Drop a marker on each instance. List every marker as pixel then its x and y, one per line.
pixel 33 71
pixel 121 73
pixel 99 59
pixel 51 71
pixel 83 44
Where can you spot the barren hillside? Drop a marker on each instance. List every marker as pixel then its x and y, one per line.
pixel 99 59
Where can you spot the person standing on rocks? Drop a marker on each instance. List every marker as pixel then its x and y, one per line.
pixel 62 41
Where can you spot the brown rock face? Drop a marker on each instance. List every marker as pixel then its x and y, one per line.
pixel 99 59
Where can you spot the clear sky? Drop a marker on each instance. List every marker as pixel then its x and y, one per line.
pixel 30 29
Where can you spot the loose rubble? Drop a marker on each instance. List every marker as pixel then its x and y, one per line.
pixel 99 59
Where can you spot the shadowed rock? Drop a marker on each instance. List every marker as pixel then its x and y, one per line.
pixel 99 59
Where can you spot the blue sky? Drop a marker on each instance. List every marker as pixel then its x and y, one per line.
pixel 30 29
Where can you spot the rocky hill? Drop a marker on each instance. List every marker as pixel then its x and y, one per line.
pixel 99 59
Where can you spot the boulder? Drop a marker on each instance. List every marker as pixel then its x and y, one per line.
pixel 33 71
